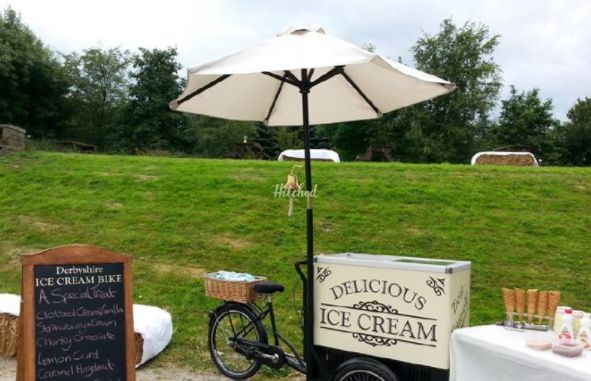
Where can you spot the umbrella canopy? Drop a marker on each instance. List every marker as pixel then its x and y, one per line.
pixel 363 85
pixel 303 77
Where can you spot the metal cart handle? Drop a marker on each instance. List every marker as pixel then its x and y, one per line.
pixel 298 266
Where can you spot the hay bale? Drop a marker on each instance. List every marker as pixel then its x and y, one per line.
pixel 519 159
pixel 152 325
pixel 8 334
pixel 139 347
pixel 9 321
pixel 12 138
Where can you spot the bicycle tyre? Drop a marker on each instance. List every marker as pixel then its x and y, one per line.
pixel 363 368
pixel 225 320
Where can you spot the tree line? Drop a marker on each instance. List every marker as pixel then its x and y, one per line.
pixel 118 100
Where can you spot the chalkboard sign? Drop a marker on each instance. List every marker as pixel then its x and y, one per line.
pixel 76 318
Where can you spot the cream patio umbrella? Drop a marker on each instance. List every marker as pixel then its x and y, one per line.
pixel 301 77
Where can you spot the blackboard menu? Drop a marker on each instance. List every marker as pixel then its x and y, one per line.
pixel 76 317
pixel 80 322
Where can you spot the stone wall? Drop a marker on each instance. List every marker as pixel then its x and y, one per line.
pixel 12 139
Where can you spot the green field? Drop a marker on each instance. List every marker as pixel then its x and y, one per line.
pixel 520 227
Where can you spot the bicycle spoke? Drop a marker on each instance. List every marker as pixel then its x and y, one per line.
pixel 232 324
pixel 229 326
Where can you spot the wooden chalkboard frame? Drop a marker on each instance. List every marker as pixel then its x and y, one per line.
pixel 64 255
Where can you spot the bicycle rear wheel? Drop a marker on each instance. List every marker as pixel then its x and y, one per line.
pixel 235 359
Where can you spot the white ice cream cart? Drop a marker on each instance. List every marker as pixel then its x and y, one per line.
pixel 401 310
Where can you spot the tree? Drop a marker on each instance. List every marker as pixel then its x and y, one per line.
pixel 574 136
pixel 98 94
pixel 446 128
pixel 525 120
pixel 151 124
pixel 289 138
pixel 214 137
pixel 349 139
pixel 317 139
pixel 32 82
pixel 266 138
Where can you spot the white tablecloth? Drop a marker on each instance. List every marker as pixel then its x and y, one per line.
pixel 493 353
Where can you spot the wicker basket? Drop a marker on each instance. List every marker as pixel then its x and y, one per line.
pixel 236 291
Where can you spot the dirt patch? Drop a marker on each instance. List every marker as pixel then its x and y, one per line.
pixel 166 268
pixel 580 187
pixel 14 254
pixel 41 226
pixel 114 205
pixel 7 369
pixel 150 196
pixel 107 174
pixel 144 177
pixel 232 242
pixel 327 226
pixel 414 231
pixel 246 177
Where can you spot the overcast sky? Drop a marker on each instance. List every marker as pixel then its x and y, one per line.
pixel 544 43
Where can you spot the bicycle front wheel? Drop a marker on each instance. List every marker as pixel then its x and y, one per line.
pixel 233 357
pixel 363 369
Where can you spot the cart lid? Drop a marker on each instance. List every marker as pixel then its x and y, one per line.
pixel 396 262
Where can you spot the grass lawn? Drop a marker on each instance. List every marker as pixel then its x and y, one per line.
pixel 520 227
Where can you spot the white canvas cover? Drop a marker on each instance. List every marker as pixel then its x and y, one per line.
pixel 248 94
pixel 155 326
pixel 315 154
pixel 10 304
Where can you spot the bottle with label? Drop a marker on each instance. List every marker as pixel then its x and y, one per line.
pixel 577 317
pixel 584 334
pixel 558 318
pixel 565 332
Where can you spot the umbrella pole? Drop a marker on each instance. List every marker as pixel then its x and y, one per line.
pixel 309 297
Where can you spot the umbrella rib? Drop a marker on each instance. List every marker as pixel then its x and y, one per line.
pixel 275 99
pixel 203 88
pixel 360 92
pixel 286 78
pixel 291 76
pixel 328 75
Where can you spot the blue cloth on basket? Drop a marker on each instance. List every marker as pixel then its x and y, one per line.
pixel 233 276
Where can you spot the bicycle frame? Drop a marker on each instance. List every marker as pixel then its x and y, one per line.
pixel 293 359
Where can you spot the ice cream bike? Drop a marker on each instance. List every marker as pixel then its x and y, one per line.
pixel 377 317
pixel 355 328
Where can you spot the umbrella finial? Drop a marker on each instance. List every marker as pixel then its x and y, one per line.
pixel 302 28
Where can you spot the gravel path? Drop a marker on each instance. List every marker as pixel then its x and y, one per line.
pixel 147 373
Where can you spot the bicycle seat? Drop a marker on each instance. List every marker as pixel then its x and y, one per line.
pixel 268 287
